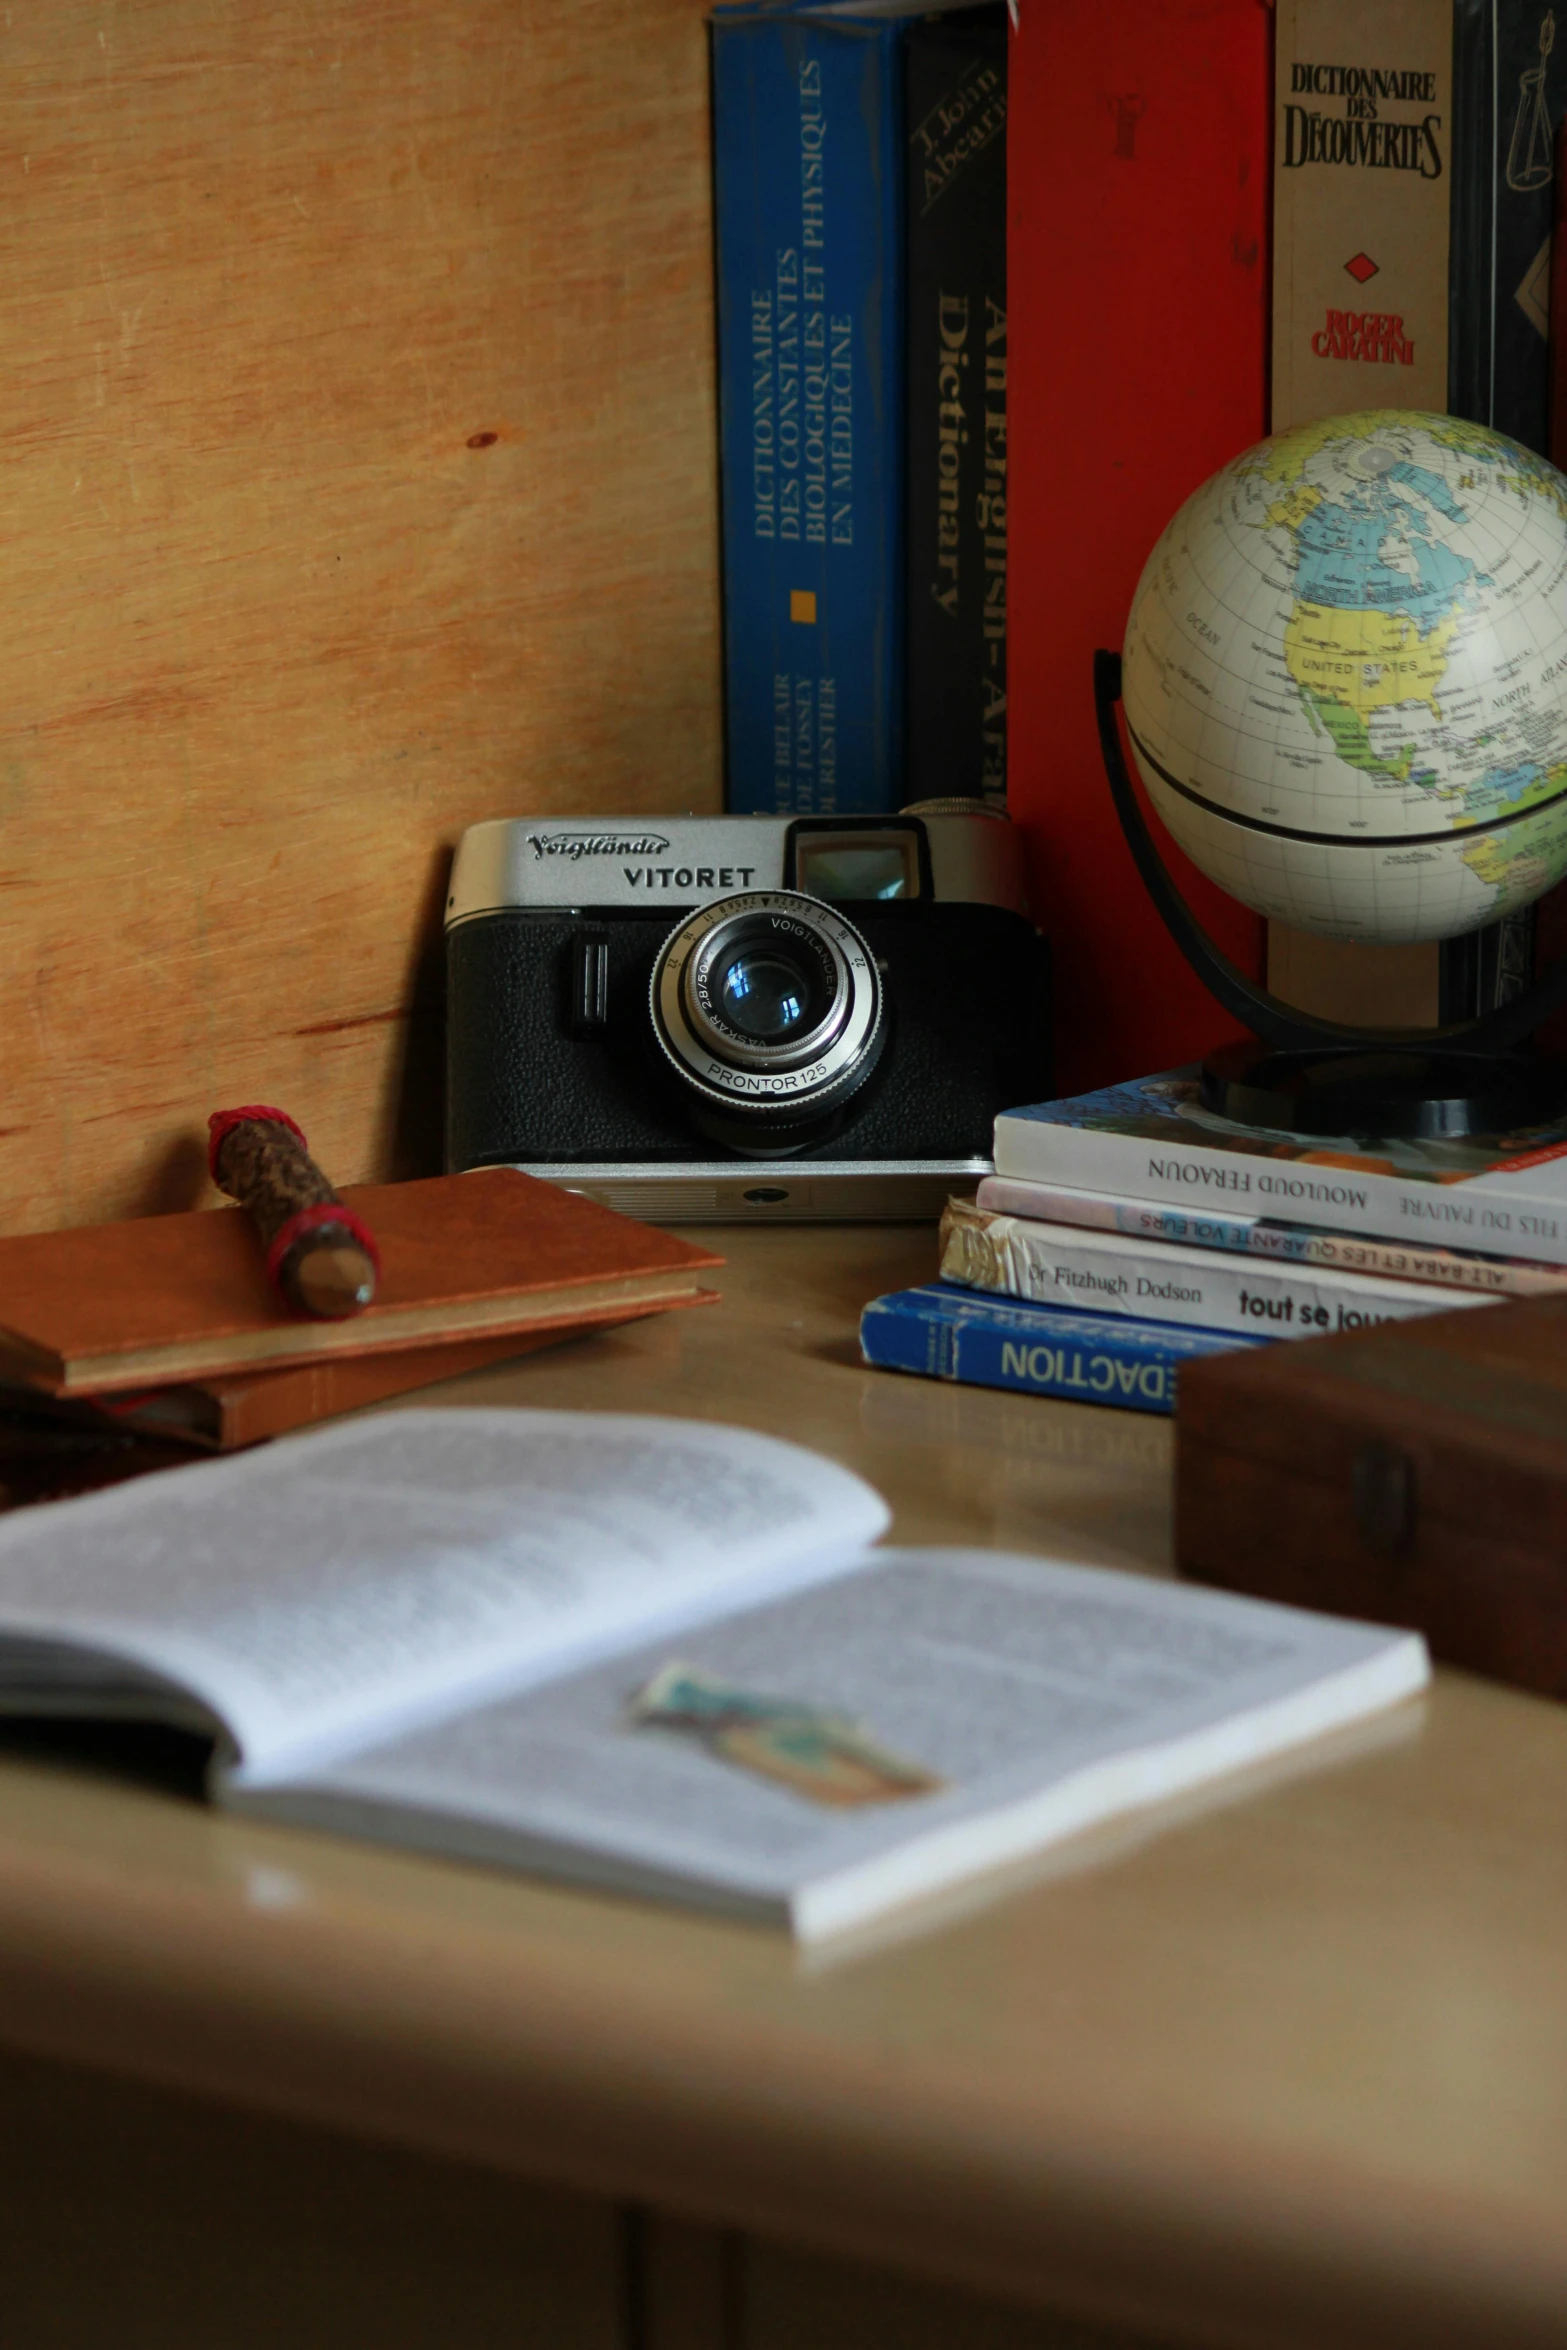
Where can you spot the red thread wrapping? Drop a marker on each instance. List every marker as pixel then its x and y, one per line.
pixel 311 1220
pixel 222 1123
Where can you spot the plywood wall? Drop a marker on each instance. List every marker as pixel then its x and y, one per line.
pixel 356 482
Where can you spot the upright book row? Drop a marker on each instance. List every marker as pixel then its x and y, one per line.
pixel 1144 144
pixel 860 186
pixel 1408 147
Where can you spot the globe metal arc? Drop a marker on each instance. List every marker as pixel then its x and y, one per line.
pixel 1345 677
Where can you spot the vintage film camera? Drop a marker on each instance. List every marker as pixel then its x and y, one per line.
pixel 743 1016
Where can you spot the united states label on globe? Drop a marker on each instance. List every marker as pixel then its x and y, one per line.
pixel 1345 676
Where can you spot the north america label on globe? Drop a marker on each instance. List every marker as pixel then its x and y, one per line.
pixel 1345 676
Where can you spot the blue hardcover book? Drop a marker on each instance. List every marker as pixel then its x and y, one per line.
pixel 947 1333
pixel 808 191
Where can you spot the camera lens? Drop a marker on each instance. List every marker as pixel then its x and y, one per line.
pixel 769 1009
pixel 767 995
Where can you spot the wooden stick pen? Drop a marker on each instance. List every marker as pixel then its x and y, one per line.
pixel 321 1258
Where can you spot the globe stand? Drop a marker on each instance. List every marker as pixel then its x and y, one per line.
pixel 1311 1076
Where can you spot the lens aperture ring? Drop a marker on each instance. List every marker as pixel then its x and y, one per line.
pixel 828 1034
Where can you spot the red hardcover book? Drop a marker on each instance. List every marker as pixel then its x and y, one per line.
pixel 1138 192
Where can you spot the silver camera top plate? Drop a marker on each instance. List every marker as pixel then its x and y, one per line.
pixel 645 864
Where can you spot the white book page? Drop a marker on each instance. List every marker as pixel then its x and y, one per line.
pixel 370 1574
pixel 1045 1696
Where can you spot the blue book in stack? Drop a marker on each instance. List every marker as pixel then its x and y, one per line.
pixel 808 190
pixel 946 1332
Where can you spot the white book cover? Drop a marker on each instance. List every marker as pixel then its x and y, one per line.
pixel 1118 1273
pixel 1153 1139
pixel 1269 1238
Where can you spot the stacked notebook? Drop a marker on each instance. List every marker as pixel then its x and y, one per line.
pixel 118 1338
pixel 1129 1231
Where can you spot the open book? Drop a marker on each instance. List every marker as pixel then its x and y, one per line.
pixel 649 1655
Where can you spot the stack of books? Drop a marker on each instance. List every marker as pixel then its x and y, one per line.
pixel 1126 1232
pixel 132 1346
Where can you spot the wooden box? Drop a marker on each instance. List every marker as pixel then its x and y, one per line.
pixel 1413 1474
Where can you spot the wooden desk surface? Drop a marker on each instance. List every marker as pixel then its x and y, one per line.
pixel 1294 2065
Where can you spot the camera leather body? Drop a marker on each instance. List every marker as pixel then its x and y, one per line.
pixel 968 1002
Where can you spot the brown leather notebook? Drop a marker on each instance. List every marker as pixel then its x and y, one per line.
pixel 179 1299
pixel 242 1407
pixel 52 1446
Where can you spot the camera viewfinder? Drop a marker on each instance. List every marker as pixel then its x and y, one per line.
pixel 851 866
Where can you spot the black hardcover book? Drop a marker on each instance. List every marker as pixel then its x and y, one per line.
pixel 956 95
pixel 1510 93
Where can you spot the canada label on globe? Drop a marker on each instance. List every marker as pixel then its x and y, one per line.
pixel 1345 676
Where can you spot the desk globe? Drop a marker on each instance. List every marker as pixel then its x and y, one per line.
pixel 1345 685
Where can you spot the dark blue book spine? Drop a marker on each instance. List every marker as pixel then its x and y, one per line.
pixel 808 187
pixel 1509 94
pixel 1085 1358
pixel 955 84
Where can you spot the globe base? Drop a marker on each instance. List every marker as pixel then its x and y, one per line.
pixel 1429 1090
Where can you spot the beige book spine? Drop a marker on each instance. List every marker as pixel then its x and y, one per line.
pixel 1362 183
pixel 1362 192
